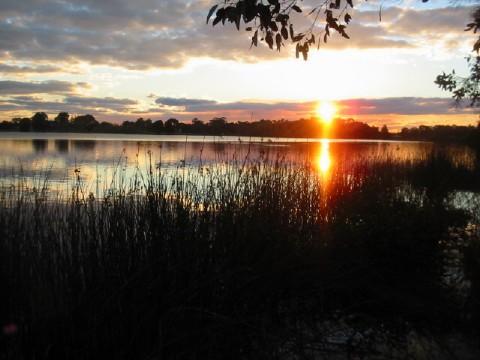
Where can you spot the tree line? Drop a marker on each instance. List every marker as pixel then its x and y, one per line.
pixel 219 126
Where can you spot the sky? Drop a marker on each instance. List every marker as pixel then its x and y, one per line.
pixel 123 60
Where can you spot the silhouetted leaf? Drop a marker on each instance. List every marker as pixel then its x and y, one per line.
pixel 312 11
pixel 276 9
pixel 217 20
pixel 237 20
pixel 325 37
pixel 273 25
pixel 284 32
pixel 248 28
pixel 476 46
pixel 296 8
pixel 470 26
pixel 349 2
pixel 291 31
pixel 298 48
pixel 298 37
pixel 347 18
pixel 255 38
pixel 269 39
pixel 278 41
pixel 211 11
pixel 305 51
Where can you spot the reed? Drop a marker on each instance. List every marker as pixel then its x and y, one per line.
pixel 246 259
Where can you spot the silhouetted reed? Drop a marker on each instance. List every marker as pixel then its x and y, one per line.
pixel 244 259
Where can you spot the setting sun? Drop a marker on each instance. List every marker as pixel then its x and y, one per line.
pixel 326 111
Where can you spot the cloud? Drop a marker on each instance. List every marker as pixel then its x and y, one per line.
pixel 41 69
pixel 168 101
pixel 401 106
pixel 165 33
pixel 351 107
pixel 10 87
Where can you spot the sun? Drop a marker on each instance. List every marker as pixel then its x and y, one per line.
pixel 326 111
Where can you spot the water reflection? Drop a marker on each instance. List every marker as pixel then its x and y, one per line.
pixel 97 158
pixel 39 145
pixel 324 159
pixel 61 146
pixel 83 144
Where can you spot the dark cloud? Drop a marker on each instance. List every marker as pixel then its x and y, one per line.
pixel 107 102
pixel 168 101
pixel 9 87
pixel 401 106
pixel 42 69
pixel 351 107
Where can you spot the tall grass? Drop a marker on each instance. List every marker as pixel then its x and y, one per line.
pixel 250 259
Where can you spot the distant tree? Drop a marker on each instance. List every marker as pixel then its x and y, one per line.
pixel 158 127
pixel 218 125
pixel 171 126
pixel 85 123
pixel 40 122
pixel 62 118
pixel 61 121
pixel 384 132
pixel 198 126
pixel 142 126
pixel 6 126
pixel 272 21
pixel 23 124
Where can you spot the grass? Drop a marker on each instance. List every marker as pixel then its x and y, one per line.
pixel 250 259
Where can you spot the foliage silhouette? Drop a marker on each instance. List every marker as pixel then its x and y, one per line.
pixel 274 21
pixel 465 87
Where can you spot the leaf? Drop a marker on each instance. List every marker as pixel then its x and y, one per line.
pixel 248 28
pixel 305 52
pixel 269 39
pixel 296 8
pixel 298 37
pixel 325 37
pixel 273 26
pixel 216 20
pixel 278 41
pixel 348 17
pixel 291 31
pixel 211 11
pixel 298 48
pixel 284 32
pixel 237 20
pixel 349 2
pixel 313 10
pixel 254 39
pixel 476 46
pixel 276 9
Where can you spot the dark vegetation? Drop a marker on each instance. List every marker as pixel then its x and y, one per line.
pixel 303 128
pixel 248 259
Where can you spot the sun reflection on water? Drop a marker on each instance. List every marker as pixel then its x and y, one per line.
pixel 324 160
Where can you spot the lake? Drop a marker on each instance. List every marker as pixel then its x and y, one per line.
pixel 96 159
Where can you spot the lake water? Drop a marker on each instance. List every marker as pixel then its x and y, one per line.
pixel 96 159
